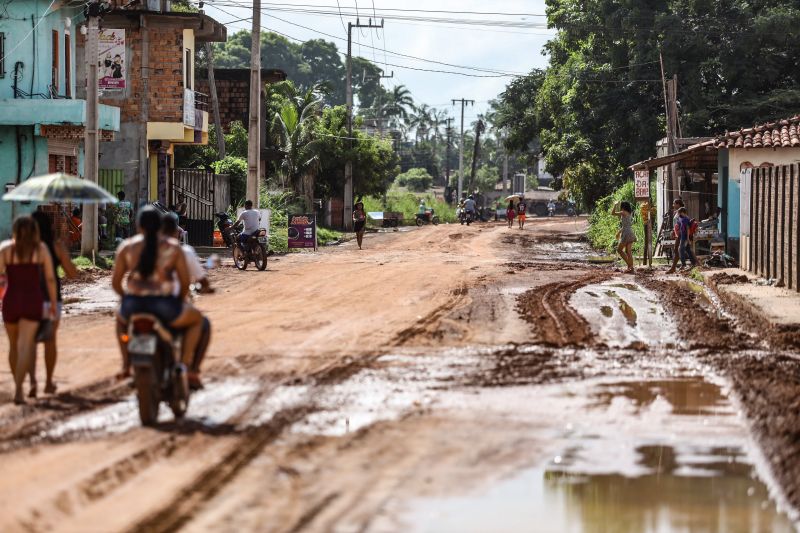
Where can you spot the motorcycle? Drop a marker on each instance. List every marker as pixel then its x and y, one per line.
pixel 225 227
pixel 159 376
pixel 551 210
pixel 254 249
pixel 466 217
pixel 427 218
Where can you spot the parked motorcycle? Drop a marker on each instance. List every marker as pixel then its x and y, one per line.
pixel 427 218
pixel 159 375
pixel 254 249
pixel 225 227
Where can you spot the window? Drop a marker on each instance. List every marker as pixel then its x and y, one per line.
pixel 189 78
pixel 54 70
pixel 68 65
pixel 2 55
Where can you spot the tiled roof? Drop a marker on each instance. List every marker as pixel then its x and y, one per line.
pixel 780 134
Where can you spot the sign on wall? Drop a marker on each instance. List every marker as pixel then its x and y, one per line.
pixel 111 49
pixel 188 108
pixel 641 182
pixel 303 231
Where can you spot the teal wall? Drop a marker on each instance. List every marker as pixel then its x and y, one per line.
pixel 34 163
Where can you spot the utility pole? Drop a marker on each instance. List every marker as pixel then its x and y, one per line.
pixel 505 168
pixel 447 153
pixel 464 102
pixel 92 11
pixel 254 128
pixel 378 119
pixel 212 87
pixel 348 167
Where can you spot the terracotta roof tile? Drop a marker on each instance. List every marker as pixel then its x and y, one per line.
pixel 779 134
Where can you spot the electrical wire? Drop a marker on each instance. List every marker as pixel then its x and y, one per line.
pixel 340 16
pixel 406 10
pixel 46 11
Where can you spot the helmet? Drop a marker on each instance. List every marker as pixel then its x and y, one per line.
pixel 471 197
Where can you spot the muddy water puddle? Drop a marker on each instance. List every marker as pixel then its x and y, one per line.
pixel 622 314
pixel 644 456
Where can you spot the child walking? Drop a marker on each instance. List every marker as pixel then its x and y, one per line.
pixel 624 211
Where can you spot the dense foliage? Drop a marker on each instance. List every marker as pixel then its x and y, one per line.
pixel 415 179
pixel 599 105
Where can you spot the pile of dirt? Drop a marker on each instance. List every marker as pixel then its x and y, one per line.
pixel 725 278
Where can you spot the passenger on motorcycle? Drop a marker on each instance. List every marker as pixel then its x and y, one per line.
pixel 151 262
pixel 251 218
pixel 197 274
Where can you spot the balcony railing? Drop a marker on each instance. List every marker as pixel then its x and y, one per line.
pixel 200 101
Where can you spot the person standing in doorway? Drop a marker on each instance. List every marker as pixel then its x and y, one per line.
pixel 24 261
pixel 124 212
pixel 359 222
pixel 522 209
pixel 624 211
pixel 676 206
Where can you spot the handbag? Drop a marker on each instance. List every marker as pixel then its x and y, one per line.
pixel 46 330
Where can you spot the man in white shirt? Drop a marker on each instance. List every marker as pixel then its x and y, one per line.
pixel 251 219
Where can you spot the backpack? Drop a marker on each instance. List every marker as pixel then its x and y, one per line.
pixel 693 226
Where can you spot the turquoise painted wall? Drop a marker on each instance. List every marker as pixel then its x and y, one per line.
pixel 34 49
pixel 34 163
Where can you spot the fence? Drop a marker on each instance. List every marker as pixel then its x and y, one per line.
pixel 204 193
pixel 773 250
pixel 112 180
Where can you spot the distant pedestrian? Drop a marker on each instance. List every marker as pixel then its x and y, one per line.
pixel 522 209
pixel 124 212
pixel 511 213
pixel 624 211
pixel 676 206
pixel 76 225
pixel 685 236
pixel 359 222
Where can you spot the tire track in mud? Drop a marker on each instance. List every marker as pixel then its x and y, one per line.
pixel 557 323
pixel 428 325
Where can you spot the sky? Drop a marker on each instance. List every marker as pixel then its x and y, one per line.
pixel 505 49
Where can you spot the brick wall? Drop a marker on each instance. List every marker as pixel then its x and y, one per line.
pixel 233 91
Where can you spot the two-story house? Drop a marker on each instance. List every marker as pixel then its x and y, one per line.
pixel 147 57
pixel 41 119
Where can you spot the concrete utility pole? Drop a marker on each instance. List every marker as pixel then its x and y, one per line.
pixel 449 131
pixel 254 129
pixel 212 86
pixel 348 166
pixel 505 168
pixel 464 102
pixel 90 135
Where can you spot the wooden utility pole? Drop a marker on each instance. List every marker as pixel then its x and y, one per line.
pixel 505 170
pixel 254 128
pixel 90 136
pixel 348 167
pixel 476 151
pixel 212 87
pixel 449 131
pixel 464 102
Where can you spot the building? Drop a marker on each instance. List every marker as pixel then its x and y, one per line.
pixel 147 64
pixel 753 176
pixel 42 116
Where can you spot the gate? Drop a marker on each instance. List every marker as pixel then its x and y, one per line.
pixel 111 179
pixel 774 243
pixel 196 188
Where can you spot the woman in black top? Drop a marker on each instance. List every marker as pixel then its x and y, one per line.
pixel 60 258
pixel 359 221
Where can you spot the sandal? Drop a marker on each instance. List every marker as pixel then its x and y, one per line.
pixel 50 388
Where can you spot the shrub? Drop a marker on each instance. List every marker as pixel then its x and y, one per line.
pixel 603 226
pixel 408 204
pixel 415 179
pixel 236 168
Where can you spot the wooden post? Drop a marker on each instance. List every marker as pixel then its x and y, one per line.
pixel 212 88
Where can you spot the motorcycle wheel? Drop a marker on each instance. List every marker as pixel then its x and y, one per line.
pixel 260 257
pixel 435 221
pixel 419 222
pixel 239 258
pixel 147 394
pixel 180 394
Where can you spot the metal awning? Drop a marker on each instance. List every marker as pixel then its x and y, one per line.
pixel 699 157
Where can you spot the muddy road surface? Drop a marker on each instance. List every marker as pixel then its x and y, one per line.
pixel 443 379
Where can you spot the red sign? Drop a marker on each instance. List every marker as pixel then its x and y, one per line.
pixel 303 231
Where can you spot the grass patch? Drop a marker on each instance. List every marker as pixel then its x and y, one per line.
pixel 408 204
pixel 327 236
pixel 85 263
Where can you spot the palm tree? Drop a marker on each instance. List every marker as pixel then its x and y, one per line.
pixel 398 107
pixel 295 118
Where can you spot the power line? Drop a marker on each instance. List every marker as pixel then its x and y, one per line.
pixel 46 11
pixel 406 10
pixel 341 18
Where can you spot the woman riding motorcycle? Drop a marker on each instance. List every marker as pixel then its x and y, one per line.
pixel 150 259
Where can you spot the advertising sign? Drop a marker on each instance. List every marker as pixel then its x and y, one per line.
pixel 641 182
pixel 303 231
pixel 111 48
pixel 188 108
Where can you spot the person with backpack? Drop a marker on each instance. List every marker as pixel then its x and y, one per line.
pixel 685 231
pixel 677 204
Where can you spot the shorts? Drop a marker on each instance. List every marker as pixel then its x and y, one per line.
pixel 522 217
pixel 165 308
pixel 46 309
pixel 358 225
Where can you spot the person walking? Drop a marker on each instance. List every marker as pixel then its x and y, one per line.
pixel 124 211
pixel 511 214
pixel 24 260
pixel 60 258
pixel 359 222
pixel 522 209
pixel 685 238
pixel 676 206
pixel 624 211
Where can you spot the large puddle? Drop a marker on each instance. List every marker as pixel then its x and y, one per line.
pixel 651 456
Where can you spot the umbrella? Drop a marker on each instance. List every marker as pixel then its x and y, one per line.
pixel 59 188
pixel 513 198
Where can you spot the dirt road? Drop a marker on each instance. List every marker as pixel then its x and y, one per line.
pixel 448 378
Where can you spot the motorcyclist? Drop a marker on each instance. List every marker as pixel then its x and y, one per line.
pixel 469 206
pixel 551 207
pixel 251 218
pixel 197 275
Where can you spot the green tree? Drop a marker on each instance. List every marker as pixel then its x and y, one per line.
pixel 416 179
